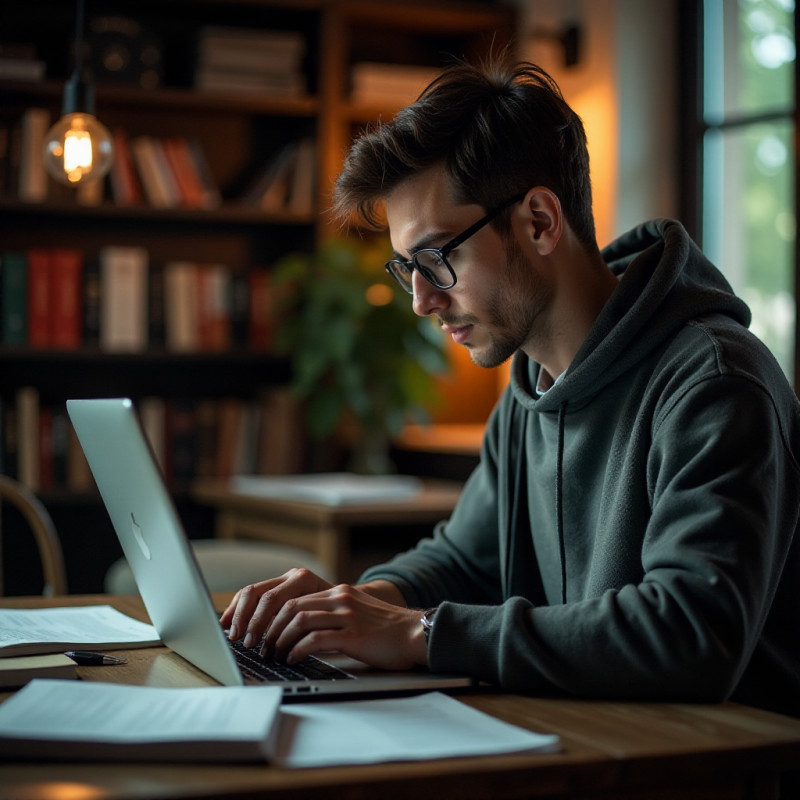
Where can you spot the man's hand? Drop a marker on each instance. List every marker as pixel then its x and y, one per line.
pixel 299 614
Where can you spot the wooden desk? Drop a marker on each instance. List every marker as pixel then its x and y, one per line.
pixel 611 750
pixel 327 531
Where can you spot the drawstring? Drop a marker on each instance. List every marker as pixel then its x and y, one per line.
pixel 516 459
pixel 562 409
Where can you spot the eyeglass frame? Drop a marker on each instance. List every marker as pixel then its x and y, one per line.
pixel 442 252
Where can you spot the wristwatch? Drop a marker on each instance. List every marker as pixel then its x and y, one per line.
pixel 427 622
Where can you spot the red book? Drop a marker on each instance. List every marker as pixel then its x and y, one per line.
pixel 125 186
pixel 39 297
pixel 66 298
pixel 179 159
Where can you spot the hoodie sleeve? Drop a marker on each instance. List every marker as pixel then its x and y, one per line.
pixel 723 488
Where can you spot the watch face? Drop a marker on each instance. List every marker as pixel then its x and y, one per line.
pixel 427 622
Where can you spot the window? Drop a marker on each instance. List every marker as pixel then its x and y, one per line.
pixel 743 140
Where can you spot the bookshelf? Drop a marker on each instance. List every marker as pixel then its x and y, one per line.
pixel 239 134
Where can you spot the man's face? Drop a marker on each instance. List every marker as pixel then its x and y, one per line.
pixel 498 297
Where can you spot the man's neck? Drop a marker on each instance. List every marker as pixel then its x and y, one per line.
pixel 584 286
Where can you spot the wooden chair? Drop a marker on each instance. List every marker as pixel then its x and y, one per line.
pixel 44 532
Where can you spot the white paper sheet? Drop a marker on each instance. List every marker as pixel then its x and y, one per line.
pixel 426 726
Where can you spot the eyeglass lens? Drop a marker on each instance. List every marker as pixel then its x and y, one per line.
pixel 429 264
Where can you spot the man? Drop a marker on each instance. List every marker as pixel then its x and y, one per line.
pixel 631 530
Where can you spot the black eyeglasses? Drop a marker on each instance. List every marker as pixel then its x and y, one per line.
pixel 432 262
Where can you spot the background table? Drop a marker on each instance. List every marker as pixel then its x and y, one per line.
pixel 347 539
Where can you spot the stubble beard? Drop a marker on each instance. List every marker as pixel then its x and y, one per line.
pixel 512 310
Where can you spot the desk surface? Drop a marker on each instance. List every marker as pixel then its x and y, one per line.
pixel 609 750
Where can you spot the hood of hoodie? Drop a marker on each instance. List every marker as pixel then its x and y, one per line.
pixel 665 281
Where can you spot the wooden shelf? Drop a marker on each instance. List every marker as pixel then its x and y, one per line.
pixel 171 99
pixel 89 373
pixel 229 214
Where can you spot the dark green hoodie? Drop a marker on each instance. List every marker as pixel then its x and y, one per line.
pixel 633 533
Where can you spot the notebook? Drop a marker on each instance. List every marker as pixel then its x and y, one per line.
pixel 167 575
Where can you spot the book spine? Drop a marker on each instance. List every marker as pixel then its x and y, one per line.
pixel 32 174
pixel 216 307
pixel 39 297
pixel 182 440
pixel 66 298
pixel 240 308
pixel 156 307
pixel 14 298
pixel 301 192
pixel 91 302
pixel 123 291
pixel 181 307
pixel 151 172
pixel 260 334
pixel 211 193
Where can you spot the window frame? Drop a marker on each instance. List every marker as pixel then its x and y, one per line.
pixel 694 127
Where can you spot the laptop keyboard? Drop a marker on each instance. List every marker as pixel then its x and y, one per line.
pixel 267 669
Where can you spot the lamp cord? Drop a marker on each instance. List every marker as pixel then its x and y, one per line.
pixel 79 17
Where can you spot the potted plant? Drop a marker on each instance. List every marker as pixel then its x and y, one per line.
pixel 358 353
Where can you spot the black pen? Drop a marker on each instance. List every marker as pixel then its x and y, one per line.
pixel 84 658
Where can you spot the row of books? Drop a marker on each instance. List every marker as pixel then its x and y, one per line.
pixel 19 61
pixel 286 182
pixel 247 60
pixel 58 298
pixel 168 172
pixel 190 438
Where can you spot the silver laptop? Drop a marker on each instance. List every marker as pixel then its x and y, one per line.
pixel 169 580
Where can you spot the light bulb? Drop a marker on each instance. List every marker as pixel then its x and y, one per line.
pixel 78 149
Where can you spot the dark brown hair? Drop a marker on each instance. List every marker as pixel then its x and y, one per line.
pixel 499 130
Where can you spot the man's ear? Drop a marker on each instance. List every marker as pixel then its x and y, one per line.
pixel 542 210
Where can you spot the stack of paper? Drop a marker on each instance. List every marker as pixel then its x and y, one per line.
pixel 330 488
pixel 26 632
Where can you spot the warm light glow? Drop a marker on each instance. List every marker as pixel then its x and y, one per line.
pixel 66 790
pixel 379 294
pixel 77 154
pixel 78 149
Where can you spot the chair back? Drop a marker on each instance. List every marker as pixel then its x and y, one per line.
pixel 41 525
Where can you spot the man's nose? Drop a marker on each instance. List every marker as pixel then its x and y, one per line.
pixel 427 298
